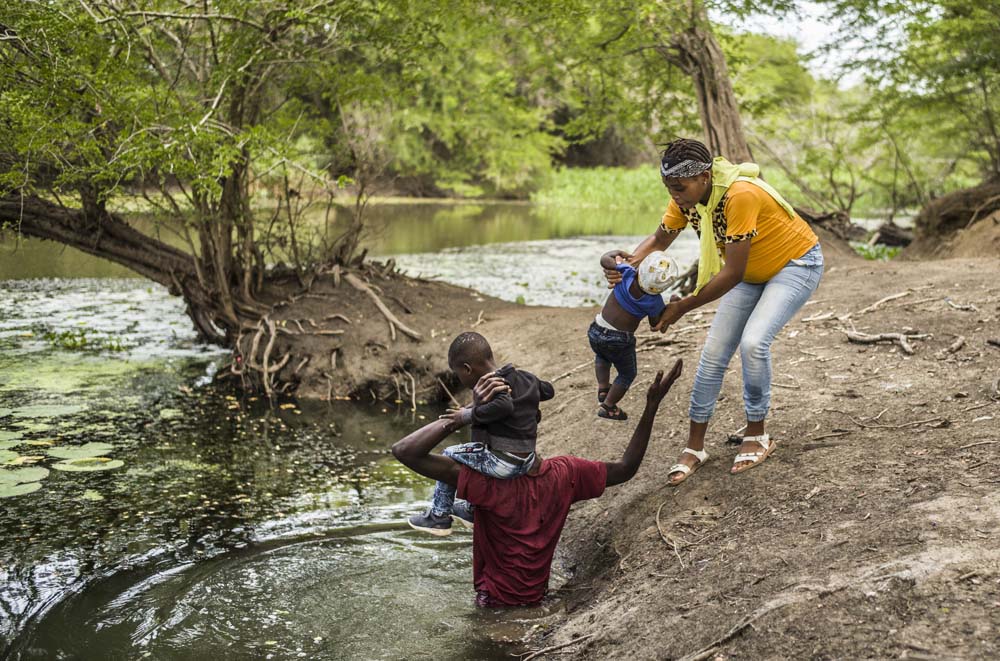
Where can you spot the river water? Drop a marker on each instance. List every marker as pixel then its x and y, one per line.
pixel 219 527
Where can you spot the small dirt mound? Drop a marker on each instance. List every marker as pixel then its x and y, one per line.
pixel 960 224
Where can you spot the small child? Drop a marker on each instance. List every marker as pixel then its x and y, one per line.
pixel 504 429
pixel 612 332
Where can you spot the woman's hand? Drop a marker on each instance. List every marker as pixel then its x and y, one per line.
pixel 676 308
pixel 612 275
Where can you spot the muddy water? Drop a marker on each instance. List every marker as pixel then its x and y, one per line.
pixel 232 530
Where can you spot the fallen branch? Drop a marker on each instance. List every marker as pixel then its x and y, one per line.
pixel 538 653
pixel 572 371
pixel 479 319
pixel 830 435
pixel 874 306
pixel 972 445
pixel 899 338
pixel 867 426
pixel 331 317
pixel 952 348
pixel 386 312
pixel 965 308
pixel 667 539
pixel 818 317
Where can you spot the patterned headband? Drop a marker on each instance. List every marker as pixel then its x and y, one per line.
pixel 688 168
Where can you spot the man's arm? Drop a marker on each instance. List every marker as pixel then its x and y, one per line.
pixel 624 470
pixel 414 452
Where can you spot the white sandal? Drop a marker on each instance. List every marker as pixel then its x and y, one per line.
pixel 767 446
pixel 685 470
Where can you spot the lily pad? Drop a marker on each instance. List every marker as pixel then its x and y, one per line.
pixel 9 435
pixel 81 451
pixel 91 494
pixel 6 455
pixel 87 464
pixel 47 410
pixel 10 490
pixel 6 445
pixel 21 460
pixel 22 475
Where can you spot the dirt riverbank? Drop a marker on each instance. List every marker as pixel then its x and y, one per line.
pixel 870 533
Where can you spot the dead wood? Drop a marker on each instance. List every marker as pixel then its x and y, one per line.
pixel 553 648
pixel 899 338
pixel 951 348
pixel 891 234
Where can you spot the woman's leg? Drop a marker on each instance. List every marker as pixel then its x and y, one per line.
pixel 783 296
pixel 724 335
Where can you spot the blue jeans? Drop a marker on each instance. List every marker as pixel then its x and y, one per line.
pixel 614 347
pixel 481 459
pixel 749 316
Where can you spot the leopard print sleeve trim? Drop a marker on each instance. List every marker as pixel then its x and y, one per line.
pixel 670 230
pixel 736 238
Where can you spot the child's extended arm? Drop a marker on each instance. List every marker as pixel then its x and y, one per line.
pixel 498 408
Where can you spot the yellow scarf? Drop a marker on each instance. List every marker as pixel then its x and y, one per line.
pixel 724 174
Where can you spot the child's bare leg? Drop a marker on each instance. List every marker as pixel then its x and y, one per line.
pixel 603 372
pixel 696 441
pixel 614 395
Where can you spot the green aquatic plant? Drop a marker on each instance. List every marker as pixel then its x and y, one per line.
pixel 85 451
pixel 21 481
pixel 6 455
pixel 877 252
pixel 87 464
pixel 46 410
pixel 81 339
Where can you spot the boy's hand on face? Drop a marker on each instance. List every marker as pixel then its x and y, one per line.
pixel 488 386
pixel 661 384
pixel 454 419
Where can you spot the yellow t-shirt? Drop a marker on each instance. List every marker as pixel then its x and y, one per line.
pixel 745 212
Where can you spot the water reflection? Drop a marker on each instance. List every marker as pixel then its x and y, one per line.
pixel 212 482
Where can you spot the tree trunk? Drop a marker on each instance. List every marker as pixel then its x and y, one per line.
pixel 103 234
pixel 698 54
pixel 701 58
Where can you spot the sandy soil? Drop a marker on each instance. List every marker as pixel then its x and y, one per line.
pixel 870 533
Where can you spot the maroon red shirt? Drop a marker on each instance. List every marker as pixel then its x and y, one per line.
pixel 518 523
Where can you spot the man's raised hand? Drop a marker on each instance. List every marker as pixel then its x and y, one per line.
pixel 488 386
pixel 661 384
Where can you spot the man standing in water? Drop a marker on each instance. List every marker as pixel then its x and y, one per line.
pixel 518 521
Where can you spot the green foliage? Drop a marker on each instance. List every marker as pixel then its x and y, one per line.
pixel 606 188
pixel 82 339
pixel 876 252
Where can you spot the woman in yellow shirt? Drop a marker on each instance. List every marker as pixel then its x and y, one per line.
pixel 772 264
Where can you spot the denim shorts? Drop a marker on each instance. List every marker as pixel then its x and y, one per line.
pixel 614 347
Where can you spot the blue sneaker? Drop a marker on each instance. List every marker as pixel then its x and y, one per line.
pixel 463 512
pixel 430 523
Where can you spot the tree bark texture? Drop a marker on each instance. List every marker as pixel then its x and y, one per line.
pixel 699 55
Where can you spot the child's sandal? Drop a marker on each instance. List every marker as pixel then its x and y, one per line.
pixel 611 412
pixel 601 394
